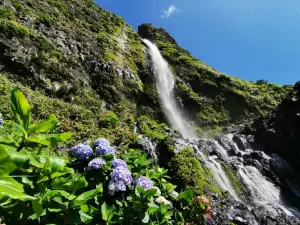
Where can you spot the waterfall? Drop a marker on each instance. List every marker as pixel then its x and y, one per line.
pixel 221 177
pixel 165 84
pixel 257 187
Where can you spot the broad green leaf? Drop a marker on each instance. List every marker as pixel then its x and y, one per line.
pixel 25 180
pixel 163 208
pixel 6 164
pixel 106 212
pixel 84 197
pixel 21 108
pixel 186 195
pixel 11 188
pixel 146 218
pixel 34 161
pixel 50 194
pixel 85 218
pixel 18 130
pixel 45 126
pixel 55 164
pixel 152 208
pixel 50 139
pixel 37 207
pixel 18 158
pixel 150 193
pixel 6 139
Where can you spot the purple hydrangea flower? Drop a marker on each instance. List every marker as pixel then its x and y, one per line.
pixel 82 151
pixel 120 177
pixel 119 163
pixel 100 150
pixel 114 187
pixel 121 174
pixel 102 142
pixel 144 182
pixel 96 164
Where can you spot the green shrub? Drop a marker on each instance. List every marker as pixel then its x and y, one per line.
pixel 109 120
pixel 46 19
pixel 82 189
pixel 150 128
pixel 13 29
pixel 191 173
pixel 6 13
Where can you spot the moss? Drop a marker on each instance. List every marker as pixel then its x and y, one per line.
pixel 43 43
pixel 236 184
pixel 78 118
pixel 150 128
pixel 191 173
pixel 17 5
pixel 13 29
pixel 6 13
pixel 46 19
pixel 109 120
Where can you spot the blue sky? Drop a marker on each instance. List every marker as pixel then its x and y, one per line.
pixel 250 39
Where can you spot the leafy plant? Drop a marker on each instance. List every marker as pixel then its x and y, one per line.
pixel 91 186
pixel 24 134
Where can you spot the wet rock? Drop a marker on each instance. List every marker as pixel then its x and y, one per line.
pixel 240 141
pixel 227 144
pixel 147 146
pixel 272 214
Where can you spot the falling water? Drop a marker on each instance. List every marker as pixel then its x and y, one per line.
pixel 221 177
pixel 260 189
pixel 165 85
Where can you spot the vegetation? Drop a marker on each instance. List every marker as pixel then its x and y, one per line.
pixel 42 188
pixel 190 172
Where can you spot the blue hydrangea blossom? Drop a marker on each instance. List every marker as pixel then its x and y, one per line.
pixel 101 150
pixel 102 142
pixel 120 177
pixel 114 187
pixel 96 164
pixel 144 182
pixel 82 151
pixel 119 163
pixel 121 174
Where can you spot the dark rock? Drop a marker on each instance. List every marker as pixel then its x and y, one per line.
pixel 240 141
pixel 227 144
pixel 279 133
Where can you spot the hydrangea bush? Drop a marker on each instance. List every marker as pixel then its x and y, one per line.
pixel 103 188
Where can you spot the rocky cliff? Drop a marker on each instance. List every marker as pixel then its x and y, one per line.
pixel 87 66
pixel 77 54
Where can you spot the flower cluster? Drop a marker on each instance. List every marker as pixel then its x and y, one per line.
pixel 82 151
pixel 103 147
pixel 120 177
pixel 144 182
pixel 1 120
pixel 119 163
pixel 96 164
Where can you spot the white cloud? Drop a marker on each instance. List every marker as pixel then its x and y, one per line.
pixel 169 12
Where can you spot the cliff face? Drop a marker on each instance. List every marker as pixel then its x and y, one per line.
pixel 213 99
pixel 91 69
pixel 279 133
pixel 73 54
pixel 76 53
